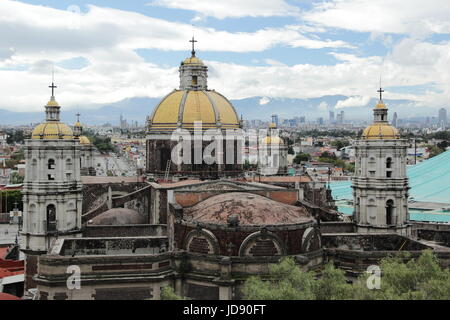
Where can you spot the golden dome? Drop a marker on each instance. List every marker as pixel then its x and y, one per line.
pixel 189 106
pixel 52 130
pixel 272 125
pixel 192 60
pixel 380 105
pixel 77 124
pixel 272 140
pixel 52 103
pixel 84 140
pixel 380 131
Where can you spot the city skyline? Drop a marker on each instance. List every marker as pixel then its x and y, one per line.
pixel 292 39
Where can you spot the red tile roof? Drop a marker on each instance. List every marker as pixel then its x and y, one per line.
pixel 6 296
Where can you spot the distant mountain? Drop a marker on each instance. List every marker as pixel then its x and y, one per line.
pixel 137 109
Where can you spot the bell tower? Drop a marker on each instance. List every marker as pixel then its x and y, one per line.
pixel 193 73
pixel 380 185
pixel 52 192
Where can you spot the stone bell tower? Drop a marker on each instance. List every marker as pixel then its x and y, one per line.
pixel 52 195
pixel 193 73
pixel 380 185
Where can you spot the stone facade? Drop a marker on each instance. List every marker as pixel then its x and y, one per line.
pixel 52 191
pixel 380 185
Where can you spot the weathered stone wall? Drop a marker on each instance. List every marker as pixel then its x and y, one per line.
pixel 337 227
pixel 125 231
pixel 441 237
pixel 94 194
pixel 105 277
pixel 191 198
pixel 371 242
pixel 230 239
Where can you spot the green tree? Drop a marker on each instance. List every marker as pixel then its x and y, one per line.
pixel 340 143
pixel 291 150
pixel 16 178
pixel 301 157
pixel 287 282
pixel 417 279
pixel 8 198
pixel 332 285
pixel 434 151
pixel 167 293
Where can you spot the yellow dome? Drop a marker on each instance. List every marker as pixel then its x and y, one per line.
pixel 52 103
pixel 84 140
pixel 192 60
pixel 380 105
pixel 272 125
pixel 380 131
pixel 272 140
pixel 77 124
pixel 209 107
pixel 52 130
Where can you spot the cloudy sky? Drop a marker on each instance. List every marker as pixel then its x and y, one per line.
pixel 104 51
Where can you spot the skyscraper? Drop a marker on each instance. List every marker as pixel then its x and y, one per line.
pixel 331 117
pixel 443 118
pixel 394 119
pixel 340 117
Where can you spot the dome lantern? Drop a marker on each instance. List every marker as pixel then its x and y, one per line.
pixel 193 102
pixel 193 73
pixel 52 128
pixel 380 129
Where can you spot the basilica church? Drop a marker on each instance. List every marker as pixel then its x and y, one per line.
pixel 202 119
pixel 200 227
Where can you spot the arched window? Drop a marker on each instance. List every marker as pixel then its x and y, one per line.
pixel 51 217
pixel 389 212
pixel 194 80
pixel 389 163
pixel 68 164
pixel 51 164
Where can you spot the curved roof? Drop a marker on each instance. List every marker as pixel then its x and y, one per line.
pixel 84 140
pixel 252 209
pixel 7 296
pixel 380 105
pixel 192 60
pixel 118 216
pixel 380 131
pixel 272 140
pixel 52 130
pixel 429 181
pixel 189 106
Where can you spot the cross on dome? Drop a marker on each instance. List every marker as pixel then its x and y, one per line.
pixel 53 88
pixel 193 41
pixel 380 91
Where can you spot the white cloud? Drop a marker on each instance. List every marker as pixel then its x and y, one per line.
pixel 263 101
pixel 33 37
pixel 357 101
pixel 232 8
pixel 323 106
pixel 414 17
pixel 272 62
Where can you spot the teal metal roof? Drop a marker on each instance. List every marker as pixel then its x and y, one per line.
pixel 429 181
